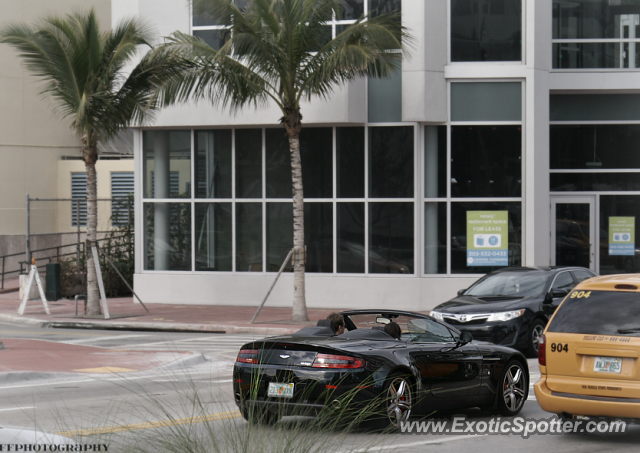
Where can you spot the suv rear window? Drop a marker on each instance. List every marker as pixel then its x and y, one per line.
pixel 599 313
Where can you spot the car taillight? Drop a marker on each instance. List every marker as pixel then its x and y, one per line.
pixel 248 356
pixel 542 351
pixel 337 361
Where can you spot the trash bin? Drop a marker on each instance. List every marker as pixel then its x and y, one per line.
pixel 53 290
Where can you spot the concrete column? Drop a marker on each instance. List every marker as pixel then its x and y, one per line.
pixel 161 165
pixel 535 190
pixel 431 191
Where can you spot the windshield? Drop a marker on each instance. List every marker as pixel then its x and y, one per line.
pixel 518 284
pixel 599 313
pixel 413 329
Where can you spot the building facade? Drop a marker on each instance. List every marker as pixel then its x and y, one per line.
pixel 509 138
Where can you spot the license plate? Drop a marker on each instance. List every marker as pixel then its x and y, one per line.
pixel 608 365
pixel 279 390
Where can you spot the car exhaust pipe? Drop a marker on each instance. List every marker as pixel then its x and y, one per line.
pixel 238 398
pixel 336 404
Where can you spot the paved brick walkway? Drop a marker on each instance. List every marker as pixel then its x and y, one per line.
pixel 48 356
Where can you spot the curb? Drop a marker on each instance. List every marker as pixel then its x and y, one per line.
pixel 17 319
pixel 147 326
pixel 12 377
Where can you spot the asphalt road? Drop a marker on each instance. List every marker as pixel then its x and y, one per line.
pixel 168 409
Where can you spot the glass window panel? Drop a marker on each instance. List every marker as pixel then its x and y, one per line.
pixel 595 146
pixel 385 99
pixel 618 206
pixel 593 19
pixel 318 236
pixel 213 237
pixel 167 236
pixel 167 156
pixel 391 238
pixel 213 164
pixel 486 161
pixel 352 9
pixel 459 235
pixel 379 7
pixel 279 235
pixel 488 30
pixel 391 162
pixel 248 163
pixel 350 162
pixel 486 101
pixel 585 55
pixel 215 38
pixel 602 182
pixel 435 238
pixel 350 242
pixel 248 237
pixel 204 18
pixel 600 107
pixel 316 151
pixel 322 39
pixel 278 164
pixel 435 161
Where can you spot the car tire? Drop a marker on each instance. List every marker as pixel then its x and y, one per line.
pixel 258 416
pixel 397 403
pixel 533 337
pixel 513 388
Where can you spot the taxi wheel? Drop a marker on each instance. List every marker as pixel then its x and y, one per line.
pixel 512 391
pixel 535 332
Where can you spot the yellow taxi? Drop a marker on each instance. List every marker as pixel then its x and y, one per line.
pixel 589 353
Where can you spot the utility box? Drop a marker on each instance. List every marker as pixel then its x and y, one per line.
pixel 53 290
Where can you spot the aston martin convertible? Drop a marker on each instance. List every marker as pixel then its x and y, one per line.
pixel 431 367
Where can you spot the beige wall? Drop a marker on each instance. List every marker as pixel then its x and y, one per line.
pixel 104 168
pixel 32 139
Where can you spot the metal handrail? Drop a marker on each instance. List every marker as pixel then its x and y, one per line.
pixel 23 264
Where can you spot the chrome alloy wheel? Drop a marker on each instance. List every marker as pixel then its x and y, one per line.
pixel 536 333
pixel 514 387
pixel 399 401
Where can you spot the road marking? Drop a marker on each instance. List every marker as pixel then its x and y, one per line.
pixel 17 408
pixel 108 337
pixel 415 444
pixel 150 425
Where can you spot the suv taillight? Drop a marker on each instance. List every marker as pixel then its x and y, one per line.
pixel 248 356
pixel 542 351
pixel 337 361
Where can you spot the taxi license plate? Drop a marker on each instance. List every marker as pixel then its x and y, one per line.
pixel 279 390
pixel 607 365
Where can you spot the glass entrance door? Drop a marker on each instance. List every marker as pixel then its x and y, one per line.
pixel 573 231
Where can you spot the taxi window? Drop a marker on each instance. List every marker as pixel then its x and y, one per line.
pixel 598 313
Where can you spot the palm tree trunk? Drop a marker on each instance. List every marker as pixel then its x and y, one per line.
pixel 93 295
pixel 299 255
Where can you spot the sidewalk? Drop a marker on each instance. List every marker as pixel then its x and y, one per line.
pixel 127 315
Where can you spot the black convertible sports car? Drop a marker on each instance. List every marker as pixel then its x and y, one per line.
pixel 431 367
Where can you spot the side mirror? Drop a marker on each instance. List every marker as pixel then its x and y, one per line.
pixel 461 292
pixel 465 337
pixel 555 294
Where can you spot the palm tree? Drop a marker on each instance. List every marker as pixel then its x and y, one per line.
pixel 82 70
pixel 278 51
